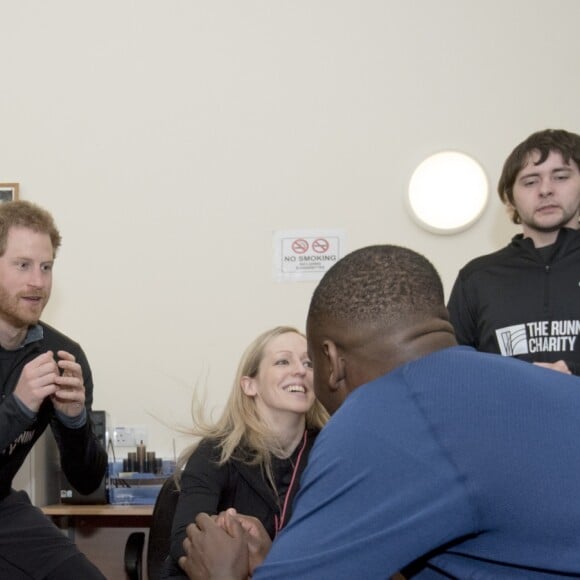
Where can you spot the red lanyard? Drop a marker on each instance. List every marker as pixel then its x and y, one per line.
pixel 279 522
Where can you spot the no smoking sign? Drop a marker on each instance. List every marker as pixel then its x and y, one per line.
pixel 300 255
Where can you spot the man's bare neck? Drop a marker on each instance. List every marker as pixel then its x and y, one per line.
pixel 11 337
pixel 542 239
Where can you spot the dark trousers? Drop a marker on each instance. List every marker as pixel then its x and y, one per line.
pixel 32 547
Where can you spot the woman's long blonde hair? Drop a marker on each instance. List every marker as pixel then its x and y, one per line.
pixel 240 423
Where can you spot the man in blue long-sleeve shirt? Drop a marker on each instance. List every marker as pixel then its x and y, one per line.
pixel 439 461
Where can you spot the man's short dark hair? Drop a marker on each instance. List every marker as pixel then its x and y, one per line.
pixel 544 142
pixel 385 284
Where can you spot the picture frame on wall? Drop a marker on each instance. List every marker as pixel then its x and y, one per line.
pixel 8 192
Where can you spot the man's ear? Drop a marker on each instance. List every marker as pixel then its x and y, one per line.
pixel 511 209
pixel 336 364
pixel 248 385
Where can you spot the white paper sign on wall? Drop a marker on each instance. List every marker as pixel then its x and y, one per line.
pixel 306 254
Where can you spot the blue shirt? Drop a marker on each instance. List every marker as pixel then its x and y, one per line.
pixel 468 460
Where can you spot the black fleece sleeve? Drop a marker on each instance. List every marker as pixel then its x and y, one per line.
pixel 83 458
pixel 460 315
pixel 573 366
pixel 202 483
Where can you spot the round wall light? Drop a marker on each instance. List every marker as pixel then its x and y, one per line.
pixel 448 192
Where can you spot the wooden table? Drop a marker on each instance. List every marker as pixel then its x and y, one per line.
pixel 115 513
pixel 101 531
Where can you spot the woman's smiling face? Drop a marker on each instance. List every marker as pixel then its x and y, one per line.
pixel 284 379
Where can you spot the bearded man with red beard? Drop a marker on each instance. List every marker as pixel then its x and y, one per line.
pixel 45 379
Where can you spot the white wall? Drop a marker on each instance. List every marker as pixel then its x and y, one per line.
pixel 170 139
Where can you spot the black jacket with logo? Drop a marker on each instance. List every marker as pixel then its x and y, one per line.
pixel 83 458
pixel 518 302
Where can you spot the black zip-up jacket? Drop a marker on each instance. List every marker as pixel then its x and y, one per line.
pixel 519 302
pixel 83 458
pixel 207 486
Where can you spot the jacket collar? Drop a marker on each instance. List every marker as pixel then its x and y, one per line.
pixel 566 240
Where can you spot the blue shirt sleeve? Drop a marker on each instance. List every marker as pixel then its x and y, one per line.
pixel 371 499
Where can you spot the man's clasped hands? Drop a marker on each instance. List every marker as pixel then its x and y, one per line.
pixel 227 545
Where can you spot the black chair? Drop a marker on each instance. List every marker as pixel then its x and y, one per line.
pixel 159 536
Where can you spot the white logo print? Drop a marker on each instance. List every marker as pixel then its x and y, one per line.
pixel 512 340
pixel 541 336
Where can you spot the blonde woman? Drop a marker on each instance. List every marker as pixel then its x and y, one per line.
pixel 253 456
